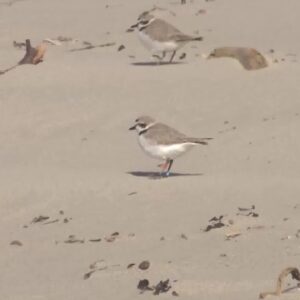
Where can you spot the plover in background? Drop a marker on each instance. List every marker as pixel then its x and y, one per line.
pixel 159 36
pixel 163 142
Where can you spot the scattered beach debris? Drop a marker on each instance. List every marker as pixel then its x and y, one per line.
pixel 247 212
pixel 19 45
pixel 256 227
pixel 144 265
pixel 95 240
pixel 216 222
pixel 161 287
pixel 98 265
pixel 183 236
pixel 46 220
pixel 32 56
pixel 130 265
pixel 174 293
pixel 16 243
pixel 201 12
pixel 51 222
pixel 143 285
pixel 279 285
pixel 112 237
pixel 232 234
pixel 39 219
pixel 73 240
pixel 121 47
pixel 183 1
pixel 132 193
pixel 182 56
pixel 250 58
pixel 91 46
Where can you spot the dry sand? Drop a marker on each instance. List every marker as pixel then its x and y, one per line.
pixel 65 147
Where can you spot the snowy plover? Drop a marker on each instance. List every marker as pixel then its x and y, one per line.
pixel 163 142
pixel 160 37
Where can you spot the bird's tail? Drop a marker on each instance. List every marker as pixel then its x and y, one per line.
pixel 202 141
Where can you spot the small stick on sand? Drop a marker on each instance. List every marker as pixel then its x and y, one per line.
pixel 295 275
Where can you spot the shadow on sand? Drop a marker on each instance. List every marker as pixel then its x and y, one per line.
pixel 155 64
pixel 157 175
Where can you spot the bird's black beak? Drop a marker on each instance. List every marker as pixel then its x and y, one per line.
pixel 132 27
pixel 133 127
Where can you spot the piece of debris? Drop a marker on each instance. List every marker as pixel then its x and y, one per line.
pixel 247 212
pixel 89 47
pixel 98 265
pixel 51 222
pixel 121 47
pixel 182 56
pixel 144 265
pixel 52 42
pixel 39 219
pixel 18 44
pixel 183 236
pixel 246 209
pixel 32 56
pixel 72 240
pixel 112 237
pixel 250 58
pixel 132 193
pixel 16 243
pixel 143 285
pixel 162 287
pixel 95 240
pixel 201 12
pixel 174 293
pixel 232 234
pixel 278 291
pixel 130 265
pixel 216 223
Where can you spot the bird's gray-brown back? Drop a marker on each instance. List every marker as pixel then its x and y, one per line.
pixel 162 134
pixel 163 31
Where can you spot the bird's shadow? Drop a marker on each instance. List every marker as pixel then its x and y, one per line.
pixel 158 175
pixel 155 64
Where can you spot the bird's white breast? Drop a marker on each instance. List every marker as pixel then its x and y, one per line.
pixel 156 46
pixel 164 151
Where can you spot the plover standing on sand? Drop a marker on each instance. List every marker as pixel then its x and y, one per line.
pixel 163 142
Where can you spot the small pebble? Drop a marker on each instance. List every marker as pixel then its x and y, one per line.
pixel 144 265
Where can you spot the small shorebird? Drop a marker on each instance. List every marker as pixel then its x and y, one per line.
pixel 163 142
pixel 160 37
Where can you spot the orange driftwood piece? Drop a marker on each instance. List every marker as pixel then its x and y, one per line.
pixel 250 58
pixel 33 55
pixel 295 275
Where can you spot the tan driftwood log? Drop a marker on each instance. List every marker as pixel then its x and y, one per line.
pixel 250 58
pixel 295 275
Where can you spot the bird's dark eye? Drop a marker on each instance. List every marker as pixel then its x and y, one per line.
pixel 143 125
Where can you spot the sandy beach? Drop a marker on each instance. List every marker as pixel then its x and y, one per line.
pixel 76 197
